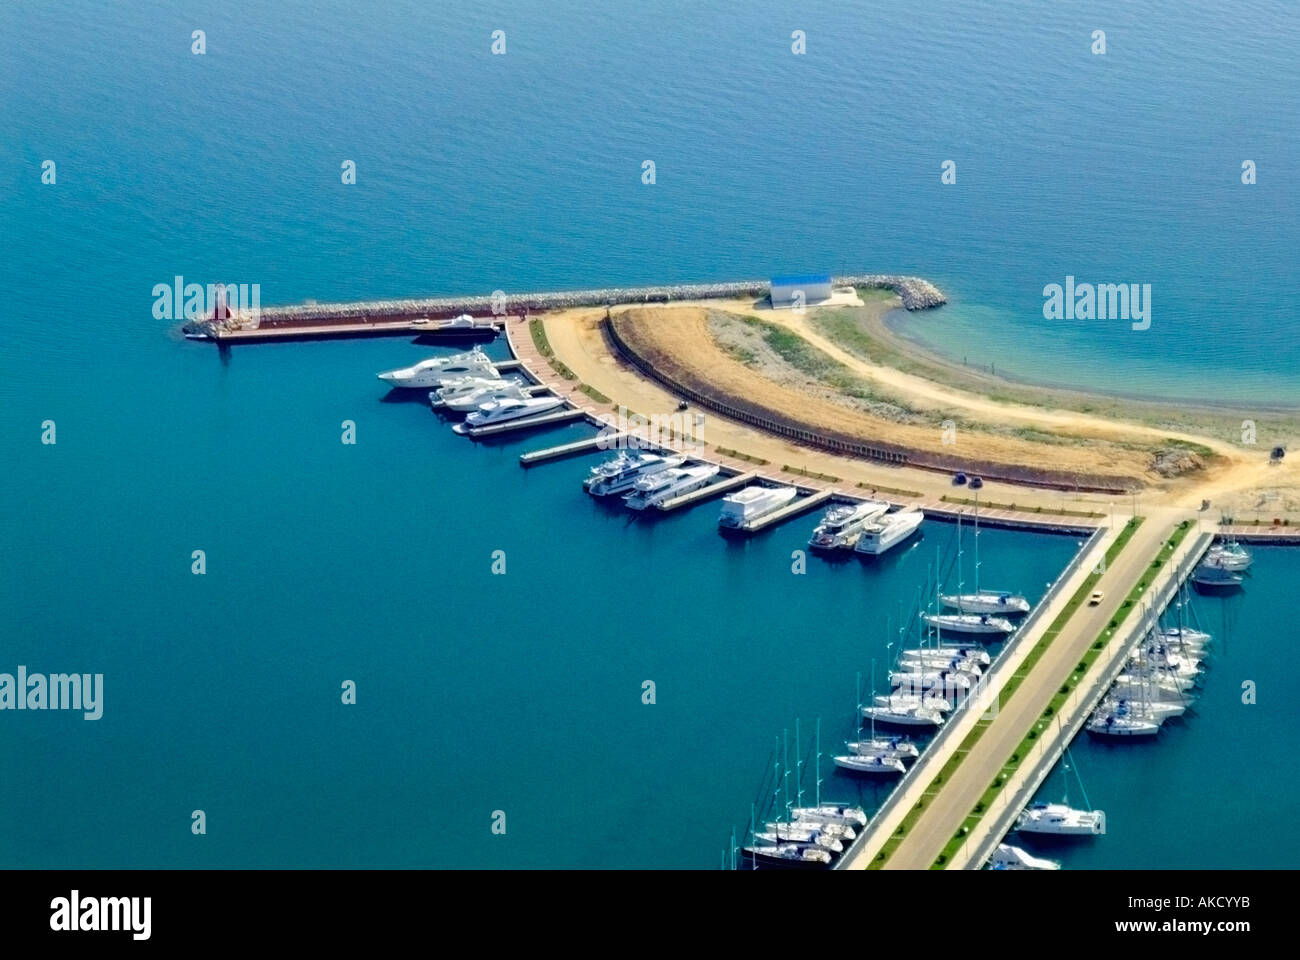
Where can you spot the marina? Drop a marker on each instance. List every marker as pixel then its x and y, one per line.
pixel 929 681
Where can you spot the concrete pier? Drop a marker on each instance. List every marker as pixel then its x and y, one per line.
pixel 569 449
pixel 496 429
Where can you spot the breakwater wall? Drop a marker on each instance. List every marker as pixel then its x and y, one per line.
pixel 915 292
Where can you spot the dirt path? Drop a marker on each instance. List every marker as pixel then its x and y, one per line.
pixel 577 340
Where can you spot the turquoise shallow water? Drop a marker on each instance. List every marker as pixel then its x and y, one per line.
pixel 328 562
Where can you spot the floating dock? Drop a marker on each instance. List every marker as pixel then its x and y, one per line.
pixel 560 416
pixel 571 449
pixel 785 513
pixel 704 493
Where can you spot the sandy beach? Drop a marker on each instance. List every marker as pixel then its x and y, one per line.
pixel 1173 456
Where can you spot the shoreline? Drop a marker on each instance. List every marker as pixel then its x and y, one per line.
pixel 889 329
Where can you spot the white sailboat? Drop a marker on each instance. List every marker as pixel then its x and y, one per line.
pixel 947 653
pixel 802 836
pixel 790 854
pixel 831 814
pixel 1001 602
pixel 978 624
pixel 870 764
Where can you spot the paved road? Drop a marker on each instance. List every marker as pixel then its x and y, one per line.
pixel 955 800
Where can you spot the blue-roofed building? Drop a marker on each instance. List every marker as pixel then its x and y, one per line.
pixel 800 291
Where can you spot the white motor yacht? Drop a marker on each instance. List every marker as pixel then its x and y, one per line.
pixel 476 398
pixel 753 503
pixel 659 487
pixel 617 475
pixel 888 531
pixel 440 370
pixel 504 411
pixel 842 524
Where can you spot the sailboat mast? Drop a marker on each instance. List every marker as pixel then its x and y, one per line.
pixel 798 752
pixel 819 763
pixel 785 772
pixel 873 693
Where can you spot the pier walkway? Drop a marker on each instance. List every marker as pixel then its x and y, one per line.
pixel 947 805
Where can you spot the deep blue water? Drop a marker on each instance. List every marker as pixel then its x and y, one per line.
pixel 329 562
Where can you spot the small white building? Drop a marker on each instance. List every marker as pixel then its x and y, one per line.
pixel 789 292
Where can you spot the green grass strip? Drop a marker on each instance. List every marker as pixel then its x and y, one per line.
pixel 953 762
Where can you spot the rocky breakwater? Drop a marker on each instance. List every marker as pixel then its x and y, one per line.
pixel 915 292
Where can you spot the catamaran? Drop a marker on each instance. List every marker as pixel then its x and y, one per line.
pixel 753 503
pixel 842 524
pixel 1061 820
pixel 888 531
pixel 1007 857
pixel 653 490
pixel 617 475
pixel 440 370
pixel 504 411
